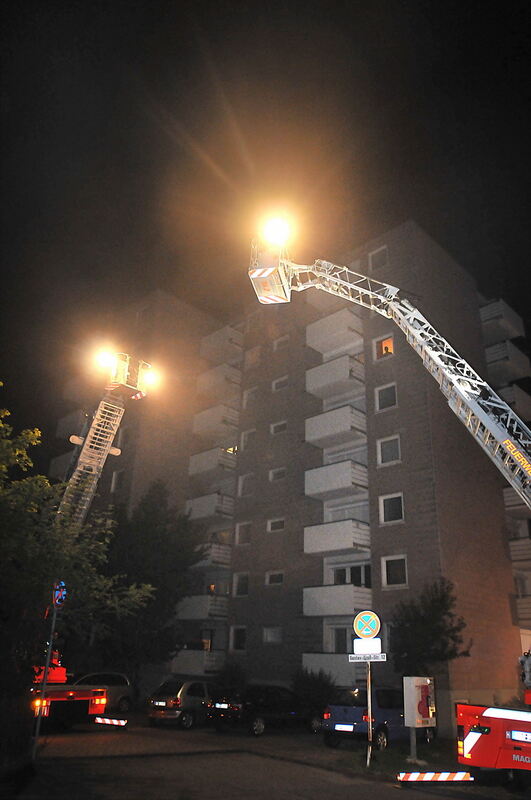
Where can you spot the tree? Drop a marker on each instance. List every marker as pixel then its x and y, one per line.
pixel 426 632
pixel 37 547
pixel 156 546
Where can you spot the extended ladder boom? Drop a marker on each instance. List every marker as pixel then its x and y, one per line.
pixel 493 424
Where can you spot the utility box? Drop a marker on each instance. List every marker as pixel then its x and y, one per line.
pixel 419 702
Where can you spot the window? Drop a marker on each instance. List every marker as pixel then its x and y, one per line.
pixel 238 637
pixel 394 571
pixel 240 584
pixel 280 383
pixel 272 635
pixel 249 395
pixel 277 474
pixel 281 343
pixel 252 357
pixel 357 575
pixel 340 640
pixel 385 397
pixel 274 578
pixel 379 258
pixel 276 524
pixel 391 507
pixel 247 438
pixel 383 347
pixel 243 533
pixel 117 480
pixel 388 450
pixel 246 484
pixel 278 427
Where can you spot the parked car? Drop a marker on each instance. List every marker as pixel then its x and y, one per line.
pixel 347 718
pixel 259 706
pixel 181 701
pixel 120 692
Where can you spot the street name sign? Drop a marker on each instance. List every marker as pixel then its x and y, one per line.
pixel 353 657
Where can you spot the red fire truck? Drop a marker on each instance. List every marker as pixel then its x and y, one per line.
pixel 64 703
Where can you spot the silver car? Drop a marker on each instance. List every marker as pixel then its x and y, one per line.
pixel 181 701
pixel 120 693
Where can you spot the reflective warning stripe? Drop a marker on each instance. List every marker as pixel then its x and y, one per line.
pixel 109 721
pixel 469 741
pixel 434 776
pixel 261 273
pixel 507 713
pixel 271 298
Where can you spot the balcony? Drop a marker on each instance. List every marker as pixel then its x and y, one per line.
pixel 500 322
pixel 214 507
pixel 337 537
pixel 222 346
pixel 518 399
pixel 336 480
pixel 340 331
pixel 221 382
pixel 203 606
pixel 520 550
pixel 211 463
pixel 506 363
pixel 214 555
pixel 338 426
pixel 514 505
pixel 219 423
pixel 60 465
pixel 322 601
pixel 523 611
pixel 336 377
pixel 337 665
pixel 198 662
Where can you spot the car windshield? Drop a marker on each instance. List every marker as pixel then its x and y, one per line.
pixel 169 687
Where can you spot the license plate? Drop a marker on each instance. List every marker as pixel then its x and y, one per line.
pixel 159 703
pixel 339 726
pixel 222 705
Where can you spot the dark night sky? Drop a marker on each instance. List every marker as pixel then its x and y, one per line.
pixel 142 139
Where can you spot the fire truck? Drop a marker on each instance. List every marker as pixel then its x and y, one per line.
pixel 62 703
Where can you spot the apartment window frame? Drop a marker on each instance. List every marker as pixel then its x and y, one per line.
pixel 273 428
pixel 272 634
pixel 234 631
pixel 271 522
pixel 236 589
pixel 385 582
pixel 379 461
pixel 381 508
pixel 372 259
pixel 249 395
pixel 379 344
pixel 241 484
pixel 377 407
pixel 247 438
pixel 272 572
pixel 237 533
pixel 280 383
pixel 252 357
pixel 281 343
pixel 275 476
pixel 117 480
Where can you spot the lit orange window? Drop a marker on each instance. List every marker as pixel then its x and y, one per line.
pixel 384 347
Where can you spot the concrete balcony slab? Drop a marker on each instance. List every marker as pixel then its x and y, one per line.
pixel 338 426
pixel 337 537
pixel 323 601
pixel 342 330
pixel 336 377
pixel 336 480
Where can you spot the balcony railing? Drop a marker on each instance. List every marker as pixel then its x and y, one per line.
pixel 523 611
pixel 336 665
pixel 222 346
pixel 339 331
pixel 337 537
pixel 222 382
pixel 210 506
pixel 338 426
pixel 500 322
pixel 518 399
pixel 203 606
pixel 217 459
pixel 215 555
pixel 336 480
pixel 324 601
pixel 520 549
pixel 514 505
pixel 218 423
pixel 336 377
pixel 506 363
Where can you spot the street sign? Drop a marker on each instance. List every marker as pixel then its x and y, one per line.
pixel 366 624
pixel 59 593
pixel 364 646
pixel 353 657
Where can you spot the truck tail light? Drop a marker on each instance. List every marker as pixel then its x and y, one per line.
pixel 327 713
pixel 41 706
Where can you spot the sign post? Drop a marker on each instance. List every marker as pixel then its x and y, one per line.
pixel 367 648
pixel 419 709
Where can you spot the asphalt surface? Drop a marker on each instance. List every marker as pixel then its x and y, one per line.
pixel 142 763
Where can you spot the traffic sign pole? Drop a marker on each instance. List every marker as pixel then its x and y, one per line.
pixel 369 712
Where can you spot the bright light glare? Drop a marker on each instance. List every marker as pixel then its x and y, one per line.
pixel 276 231
pixel 105 360
pixel 152 377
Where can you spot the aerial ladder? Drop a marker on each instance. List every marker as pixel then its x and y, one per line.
pixel 96 443
pixel 492 423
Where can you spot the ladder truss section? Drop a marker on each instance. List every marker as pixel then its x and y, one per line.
pixel 82 485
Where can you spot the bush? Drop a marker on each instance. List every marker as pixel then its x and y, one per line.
pixel 315 689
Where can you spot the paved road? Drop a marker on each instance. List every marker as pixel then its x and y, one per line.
pixel 140 763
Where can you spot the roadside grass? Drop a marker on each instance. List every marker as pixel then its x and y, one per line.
pixel 440 756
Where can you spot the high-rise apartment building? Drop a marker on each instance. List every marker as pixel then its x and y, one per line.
pixel 331 477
